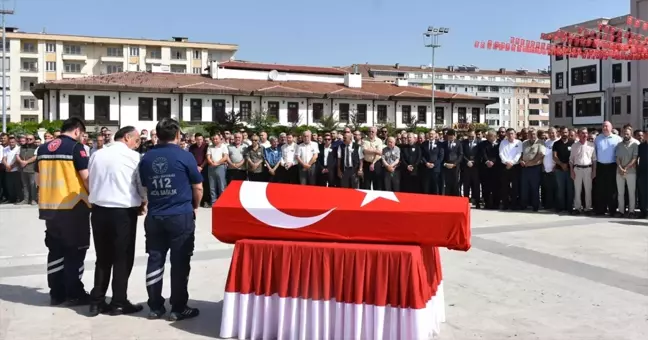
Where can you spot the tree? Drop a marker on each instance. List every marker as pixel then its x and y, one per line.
pixel 354 120
pixel 295 122
pixel 263 121
pixel 231 121
pixel 328 123
pixel 412 124
pixel 390 128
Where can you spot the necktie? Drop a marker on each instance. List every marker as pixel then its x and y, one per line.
pixel 349 150
pixel 430 146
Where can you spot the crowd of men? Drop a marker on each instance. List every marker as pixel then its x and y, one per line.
pixel 561 169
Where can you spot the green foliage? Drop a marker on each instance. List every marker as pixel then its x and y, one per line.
pixel 262 121
pixel 391 128
pixel 421 129
pixel 33 127
pixel 328 123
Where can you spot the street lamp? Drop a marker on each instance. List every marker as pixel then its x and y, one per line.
pixel 3 13
pixel 431 40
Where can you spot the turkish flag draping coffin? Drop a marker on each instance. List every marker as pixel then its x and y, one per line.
pixel 259 210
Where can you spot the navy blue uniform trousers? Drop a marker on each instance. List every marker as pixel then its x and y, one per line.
pixel 164 233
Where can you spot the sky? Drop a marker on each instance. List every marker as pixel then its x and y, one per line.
pixel 326 33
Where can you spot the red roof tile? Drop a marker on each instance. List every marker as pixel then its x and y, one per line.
pixel 244 65
pixel 186 83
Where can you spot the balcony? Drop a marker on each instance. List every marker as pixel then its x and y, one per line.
pixel 80 57
pixel 28 65
pixel 112 58
pixel 29 48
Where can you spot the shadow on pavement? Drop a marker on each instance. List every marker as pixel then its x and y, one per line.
pixel 207 324
pixel 25 295
pixel 636 223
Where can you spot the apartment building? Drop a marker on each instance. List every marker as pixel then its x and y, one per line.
pixel 522 96
pixel 586 92
pixel 639 72
pixel 32 58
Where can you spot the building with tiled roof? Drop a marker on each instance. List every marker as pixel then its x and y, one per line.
pixel 522 96
pixel 293 94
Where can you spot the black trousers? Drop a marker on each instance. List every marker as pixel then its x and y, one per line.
pixel 451 180
pixel 470 179
pixel 256 177
pixel 290 176
pixel 349 178
pixel 164 233
pixel 235 175
pixel 642 187
pixel 372 179
pixel 491 186
pixel 510 187
pixel 327 178
pixel 411 182
pixel 13 185
pixel 431 181
pixel 3 184
pixel 65 259
pixel 206 198
pixel 113 231
pixel 391 181
pixel 549 190
pixel 605 190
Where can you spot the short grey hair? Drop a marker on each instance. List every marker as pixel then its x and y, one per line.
pixel 272 138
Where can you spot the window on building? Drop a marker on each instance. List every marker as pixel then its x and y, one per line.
pixel 616 105
pixel 585 75
pixel 195 111
pixel 381 115
pixel 318 111
pixel 534 122
pixel 218 110
pixel 178 69
pixel 629 71
pixel 628 104
pixel 273 110
pixel 29 103
pixel 439 115
pixel 72 67
pixel 27 83
pixel 406 117
pixel 115 52
pixel 569 108
pixel 475 114
pixel 7 46
pixel 559 58
pixel 29 47
pixel 361 113
pixel 560 80
pixel 114 68
pixel 196 70
pixel 534 101
pixel 461 115
pixel 197 54
pixel 50 47
pixel 293 112
pixel 145 109
pixel 440 87
pixel 30 65
pixel 134 51
pixel 481 88
pixel 344 112
pixel 558 109
pixel 154 54
pixel 245 110
pixel 534 112
pixel 588 107
pixel 178 54
pixel 102 109
pixel 421 114
pixel 76 104
pixel 494 89
pixel 29 118
pixel 617 73
pixel 50 66
pixel 163 107
pixel 545 101
pixel 72 49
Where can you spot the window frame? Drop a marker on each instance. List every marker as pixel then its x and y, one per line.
pixel 473 115
pixel 245 110
pixel 145 112
pixel 421 111
pixel 318 112
pixel 72 104
pixel 617 73
pixel 100 117
pixel 361 113
pixel 292 114
pixel 195 109
pixel 344 114
pixel 273 109
pixel 558 109
pixel 462 115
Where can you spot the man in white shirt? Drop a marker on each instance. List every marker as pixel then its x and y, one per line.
pixel 306 156
pixel 12 175
pixel 117 197
pixel 289 161
pixel 263 139
pixel 549 176
pixel 510 151
pixel 217 156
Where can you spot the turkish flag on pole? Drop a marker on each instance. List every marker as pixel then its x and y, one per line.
pixel 259 210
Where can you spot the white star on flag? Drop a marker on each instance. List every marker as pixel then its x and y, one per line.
pixel 371 195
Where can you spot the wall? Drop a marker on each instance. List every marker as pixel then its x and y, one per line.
pixel 225 73
pixel 130 109
pixel 589 120
pixel 576 63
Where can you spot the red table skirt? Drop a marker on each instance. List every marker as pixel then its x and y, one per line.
pixel 281 289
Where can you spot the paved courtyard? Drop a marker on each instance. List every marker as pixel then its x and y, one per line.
pixel 528 276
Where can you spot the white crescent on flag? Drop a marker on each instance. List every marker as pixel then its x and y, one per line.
pixel 254 200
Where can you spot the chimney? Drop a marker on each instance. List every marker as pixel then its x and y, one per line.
pixel 502 70
pixel 402 82
pixel 353 80
pixel 397 66
pixel 213 69
pixel 451 68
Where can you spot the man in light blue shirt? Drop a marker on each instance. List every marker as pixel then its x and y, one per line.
pixel 605 200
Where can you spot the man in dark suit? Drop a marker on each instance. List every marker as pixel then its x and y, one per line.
pixel 432 154
pixel 470 169
pixel 410 160
pixel 327 162
pixel 490 169
pixel 451 162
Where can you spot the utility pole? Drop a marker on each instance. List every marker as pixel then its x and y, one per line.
pixel 4 12
pixel 432 41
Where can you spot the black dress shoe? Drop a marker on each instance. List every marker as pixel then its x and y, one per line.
pixel 127 308
pixel 156 313
pixel 99 308
pixel 82 300
pixel 186 313
pixel 56 301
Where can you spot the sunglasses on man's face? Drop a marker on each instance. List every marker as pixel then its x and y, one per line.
pixel 30 139
pixel 327 139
